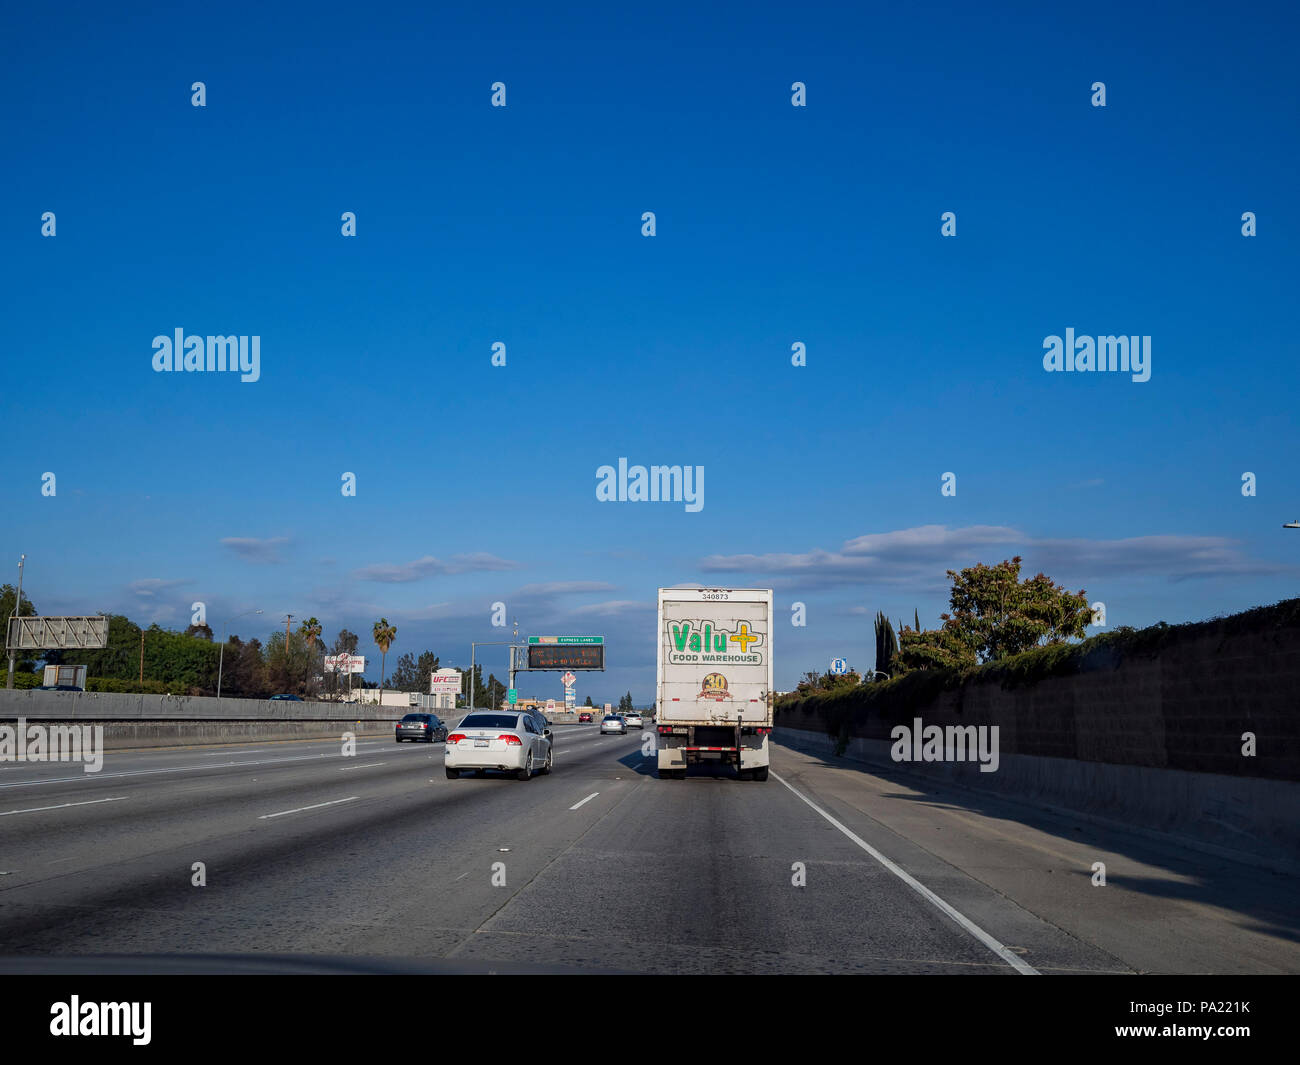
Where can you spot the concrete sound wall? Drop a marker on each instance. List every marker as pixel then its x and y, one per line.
pixel 182 720
pixel 179 720
pixel 1146 731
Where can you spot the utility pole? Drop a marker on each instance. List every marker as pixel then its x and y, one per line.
pixel 287 619
pixel 18 612
pixel 142 658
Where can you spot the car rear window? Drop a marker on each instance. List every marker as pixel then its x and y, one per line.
pixel 611 717
pixel 413 717
pixel 491 721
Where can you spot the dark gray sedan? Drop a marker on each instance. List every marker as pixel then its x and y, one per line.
pixel 426 728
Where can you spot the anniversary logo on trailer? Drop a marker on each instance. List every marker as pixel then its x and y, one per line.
pixel 714 687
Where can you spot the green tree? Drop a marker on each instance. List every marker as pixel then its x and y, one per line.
pixel 426 665
pixel 828 682
pixel 588 702
pixel 288 663
pixel 406 675
pixel 244 670
pixel 886 645
pixel 935 649
pixel 203 632
pixel 625 703
pixel 495 692
pixel 996 614
pixel 384 634
pixel 310 631
pixel 119 658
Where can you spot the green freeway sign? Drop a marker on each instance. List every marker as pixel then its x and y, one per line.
pixel 512 695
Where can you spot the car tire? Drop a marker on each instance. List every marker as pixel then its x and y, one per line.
pixel 550 759
pixel 761 773
pixel 527 771
pixel 453 774
pixel 399 739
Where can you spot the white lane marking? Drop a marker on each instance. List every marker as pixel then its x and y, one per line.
pixel 1002 952
pixel 368 765
pixel 586 800
pixel 62 805
pixel 151 772
pixel 300 809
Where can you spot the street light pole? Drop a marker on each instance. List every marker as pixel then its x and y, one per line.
pixel 221 659
pixel 18 612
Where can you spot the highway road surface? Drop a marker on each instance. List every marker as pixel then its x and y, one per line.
pixel 599 867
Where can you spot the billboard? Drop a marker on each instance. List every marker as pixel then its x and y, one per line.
pixel 345 663
pixel 445 682
pixel 54 633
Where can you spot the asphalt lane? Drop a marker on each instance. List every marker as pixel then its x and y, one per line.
pixel 597 866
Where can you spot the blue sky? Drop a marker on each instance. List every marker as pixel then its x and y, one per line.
pixel 522 224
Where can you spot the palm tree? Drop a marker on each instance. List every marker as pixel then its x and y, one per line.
pixel 384 635
pixel 310 631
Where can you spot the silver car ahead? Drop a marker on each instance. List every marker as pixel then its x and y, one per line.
pixel 514 743
pixel 613 723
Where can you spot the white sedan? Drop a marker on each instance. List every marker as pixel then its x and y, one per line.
pixel 513 743
pixel 633 719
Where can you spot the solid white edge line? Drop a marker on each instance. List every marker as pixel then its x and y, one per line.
pixel 300 809
pixel 586 800
pixel 62 805
pixel 1008 956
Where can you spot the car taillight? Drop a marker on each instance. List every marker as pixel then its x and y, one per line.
pixel 511 740
pixel 424 724
pixel 456 737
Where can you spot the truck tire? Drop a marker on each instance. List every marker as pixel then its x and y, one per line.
pixel 761 773
pixel 453 774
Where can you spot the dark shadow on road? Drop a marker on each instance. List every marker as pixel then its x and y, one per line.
pixel 1265 898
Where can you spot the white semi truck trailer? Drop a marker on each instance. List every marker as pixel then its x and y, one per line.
pixel 713 698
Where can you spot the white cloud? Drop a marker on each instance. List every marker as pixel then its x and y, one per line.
pixel 428 566
pixel 924 554
pixel 254 549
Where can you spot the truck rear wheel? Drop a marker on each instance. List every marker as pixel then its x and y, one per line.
pixel 760 773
